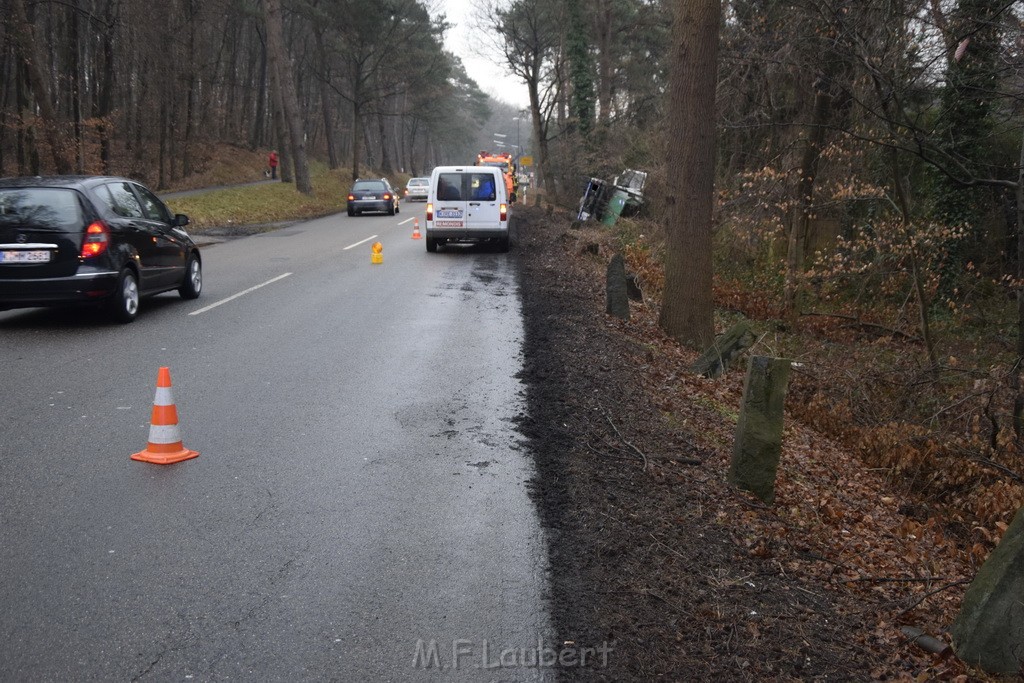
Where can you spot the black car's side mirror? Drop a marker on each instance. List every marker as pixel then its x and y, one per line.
pixel 180 220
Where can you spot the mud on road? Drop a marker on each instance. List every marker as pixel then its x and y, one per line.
pixel 637 558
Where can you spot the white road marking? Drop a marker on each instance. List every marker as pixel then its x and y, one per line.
pixel 235 296
pixel 407 220
pixel 359 242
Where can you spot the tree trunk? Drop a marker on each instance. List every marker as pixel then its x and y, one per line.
pixel 28 47
pixel 1018 403
pixel 259 123
pixel 280 64
pixel 357 128
pixel 284 167
pixel 104 106
pixel 799 225
pixel 687 310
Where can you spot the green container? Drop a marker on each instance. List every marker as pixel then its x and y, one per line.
pixel 614 208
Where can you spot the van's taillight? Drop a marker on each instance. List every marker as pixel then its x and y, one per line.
pixel 97 238
pixel 430 211
pixel 504 211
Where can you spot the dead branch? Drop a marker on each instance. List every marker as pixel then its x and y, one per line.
pixel 930 594
pixel 623 439
pixel 1002 468
pixel 857 322
pixel 897 579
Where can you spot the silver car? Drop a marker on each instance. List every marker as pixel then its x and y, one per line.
pixel 417 188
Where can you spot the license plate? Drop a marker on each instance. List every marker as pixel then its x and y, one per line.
pixel 25 256
pixel 370 196
pixel 449 213
pixel 448 224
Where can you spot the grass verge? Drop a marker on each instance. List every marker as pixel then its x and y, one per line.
pixel 270 203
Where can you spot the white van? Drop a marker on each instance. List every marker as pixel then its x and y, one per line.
pixel 467 204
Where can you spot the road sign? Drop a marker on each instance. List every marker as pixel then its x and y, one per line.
pixel 526 161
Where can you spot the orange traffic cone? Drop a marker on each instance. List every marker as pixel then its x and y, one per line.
pixel 164 447
pixel 377 253
pixel 416 229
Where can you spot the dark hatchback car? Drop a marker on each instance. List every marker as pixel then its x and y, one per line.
pixel 372 195
pixel 91 240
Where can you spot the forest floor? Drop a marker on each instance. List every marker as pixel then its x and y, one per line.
pixel 654 554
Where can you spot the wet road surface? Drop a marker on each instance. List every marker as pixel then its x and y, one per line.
pixel 359 510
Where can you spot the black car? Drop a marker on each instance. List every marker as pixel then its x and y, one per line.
pixel 91 240
pixel 372 195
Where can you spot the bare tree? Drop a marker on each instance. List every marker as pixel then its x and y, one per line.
pixel 281 67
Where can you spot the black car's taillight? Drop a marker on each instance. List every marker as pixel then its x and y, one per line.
pixel 97 239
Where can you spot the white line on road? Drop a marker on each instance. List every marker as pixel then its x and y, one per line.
pixel 359 242
pixel 407 220
pixel 235 296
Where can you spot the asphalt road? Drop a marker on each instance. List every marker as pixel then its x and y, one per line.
pixel 361 488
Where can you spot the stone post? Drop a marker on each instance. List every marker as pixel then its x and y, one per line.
pixel 615 288
pixel 989 630
pixel 758 445
pixel 715 361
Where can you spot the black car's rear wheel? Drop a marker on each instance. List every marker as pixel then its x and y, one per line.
pixel 351 211
pixel 193 283
pixel 123 306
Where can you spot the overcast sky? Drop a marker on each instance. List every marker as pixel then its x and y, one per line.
pixel 460 39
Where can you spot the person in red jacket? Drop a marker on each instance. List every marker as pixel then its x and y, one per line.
pixel 272 160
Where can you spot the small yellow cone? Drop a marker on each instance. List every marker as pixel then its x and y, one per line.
pixel 377 255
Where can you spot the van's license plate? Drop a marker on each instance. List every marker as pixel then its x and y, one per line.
pixel 25 256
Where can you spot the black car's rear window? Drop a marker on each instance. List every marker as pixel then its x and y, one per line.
pixel 41 208
pixel 369 185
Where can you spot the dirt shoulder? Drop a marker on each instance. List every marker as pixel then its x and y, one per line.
pixel 653 552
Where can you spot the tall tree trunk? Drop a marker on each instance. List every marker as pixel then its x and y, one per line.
pixel 284 167
pixel 385 155
pixel 259 122
pixel 281 66
pixel 357 129
pixel 687 309
pixel 332 151
pixel 1018 403
pixel 75 84
pixel 104 103
pixel 923 305
pixel 800 220
pixel 28 47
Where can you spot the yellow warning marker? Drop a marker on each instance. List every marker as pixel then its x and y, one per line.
pixel 377 253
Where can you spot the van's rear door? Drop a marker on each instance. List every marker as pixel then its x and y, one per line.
pixel 483 211
pixel 450 214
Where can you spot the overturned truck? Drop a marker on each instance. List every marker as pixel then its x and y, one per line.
pixel 604 201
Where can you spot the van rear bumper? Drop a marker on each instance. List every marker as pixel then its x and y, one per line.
pixel 467 234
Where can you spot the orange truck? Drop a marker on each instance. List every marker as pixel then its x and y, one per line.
pixel 503 161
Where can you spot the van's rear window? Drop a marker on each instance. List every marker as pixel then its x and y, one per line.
pixel 466 187
pixel 41 208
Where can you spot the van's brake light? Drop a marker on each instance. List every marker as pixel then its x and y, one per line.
pixel 504 211
pixel 430 211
